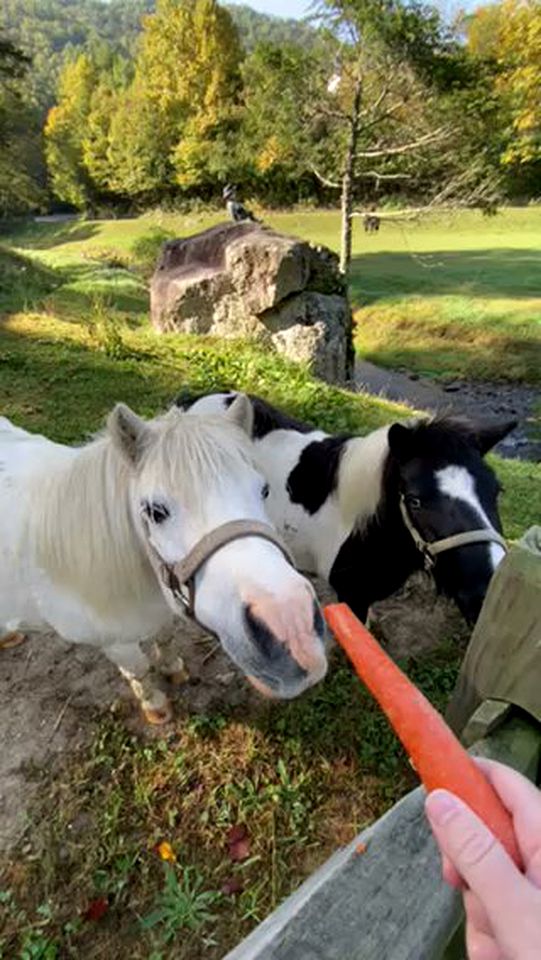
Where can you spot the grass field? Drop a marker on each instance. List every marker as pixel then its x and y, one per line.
pixel 452 296
pixel 74 337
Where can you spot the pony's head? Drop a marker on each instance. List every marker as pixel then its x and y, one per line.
pixel 447 488
pixel 190 475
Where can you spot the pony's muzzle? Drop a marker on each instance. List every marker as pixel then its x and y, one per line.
pixel 279 674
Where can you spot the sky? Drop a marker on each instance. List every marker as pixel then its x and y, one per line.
pixel 299 8
pixel 280 8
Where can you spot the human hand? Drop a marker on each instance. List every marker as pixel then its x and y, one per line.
pixel 503 906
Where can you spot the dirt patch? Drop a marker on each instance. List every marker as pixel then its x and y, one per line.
pixel 52 694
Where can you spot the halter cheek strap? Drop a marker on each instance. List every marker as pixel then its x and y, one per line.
pixel 179 577
pixel 431 549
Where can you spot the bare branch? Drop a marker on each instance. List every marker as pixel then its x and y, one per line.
pixel 381 117
pixel 427 139
pixel 321 111
pixel 377 104
pixel 383 176
pixel 324 180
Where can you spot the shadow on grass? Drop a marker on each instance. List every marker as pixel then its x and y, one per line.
pixel 471 273
pixel 26 285
pixel 44 236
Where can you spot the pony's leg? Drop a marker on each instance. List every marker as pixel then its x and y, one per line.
pixel 170 663
pixel 135 667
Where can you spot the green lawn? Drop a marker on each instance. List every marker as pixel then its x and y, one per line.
pixel 453 295
pixel 74 338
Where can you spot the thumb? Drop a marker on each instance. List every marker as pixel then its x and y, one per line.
pixel 477 856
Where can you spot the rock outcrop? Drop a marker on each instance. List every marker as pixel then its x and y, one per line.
pixel 243 279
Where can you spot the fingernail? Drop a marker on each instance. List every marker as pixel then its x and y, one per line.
pixel 440 806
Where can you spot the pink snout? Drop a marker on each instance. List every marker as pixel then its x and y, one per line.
pixel 288 652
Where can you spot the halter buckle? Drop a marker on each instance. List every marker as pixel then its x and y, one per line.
pixel 173 584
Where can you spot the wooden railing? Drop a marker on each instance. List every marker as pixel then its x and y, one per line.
pixel 382 897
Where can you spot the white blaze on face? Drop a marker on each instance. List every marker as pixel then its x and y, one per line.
pixel 458 483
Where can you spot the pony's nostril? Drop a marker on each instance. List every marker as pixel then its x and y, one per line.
pixel 276 655
pixel 319 623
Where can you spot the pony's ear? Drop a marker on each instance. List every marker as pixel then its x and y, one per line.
pixel 487 435
pixel 128 432
pixel 241 412
pixel 399 439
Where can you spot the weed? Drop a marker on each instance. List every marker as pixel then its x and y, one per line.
pixel 36 946
pixel 183 903
pixel 105 330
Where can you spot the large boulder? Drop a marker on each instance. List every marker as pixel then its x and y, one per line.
pixel 243 279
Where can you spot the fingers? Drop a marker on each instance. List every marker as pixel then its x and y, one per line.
pixel 476 855
pixel 523 800
pixel 481 947
pixel 450 875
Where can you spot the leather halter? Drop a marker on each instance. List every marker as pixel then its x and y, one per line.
pixel 179 577
pixel 431 549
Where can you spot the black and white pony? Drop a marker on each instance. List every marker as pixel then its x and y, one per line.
pixel 364 512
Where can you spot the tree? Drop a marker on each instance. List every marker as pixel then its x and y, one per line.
pixel 188 66
pixel 19 135
pixel 65 132
pixel 519 80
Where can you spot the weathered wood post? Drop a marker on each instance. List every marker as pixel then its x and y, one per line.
pixel 382 897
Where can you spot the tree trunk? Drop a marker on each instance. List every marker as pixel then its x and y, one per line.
pixel 348 179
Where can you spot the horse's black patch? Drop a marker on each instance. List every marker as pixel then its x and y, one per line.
pixel 186 398
pixel 315 476
pixel 267 418
pixel 374 562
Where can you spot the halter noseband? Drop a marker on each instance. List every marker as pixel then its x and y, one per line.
pixel 430 550
pixel 179 577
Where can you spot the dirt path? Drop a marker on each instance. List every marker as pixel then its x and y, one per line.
pixel 460 397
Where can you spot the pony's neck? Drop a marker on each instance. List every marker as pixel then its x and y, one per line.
pixel 379 554
pixel 361 478
pixel 85 537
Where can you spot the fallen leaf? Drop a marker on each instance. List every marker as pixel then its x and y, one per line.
pixel 238 840
pixel 240 832
pixel 95 910
pixel 360 848
pixel 231 886
pixel 166 852
pixel 239 851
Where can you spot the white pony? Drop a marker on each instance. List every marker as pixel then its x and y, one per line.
pixel 100 543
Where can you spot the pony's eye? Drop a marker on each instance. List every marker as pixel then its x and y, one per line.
pixel 265 490
pixel 413 502
pixel 157 512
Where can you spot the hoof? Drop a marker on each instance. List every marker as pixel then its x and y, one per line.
pixel 157 717
pixel 12 639
pixel 178 677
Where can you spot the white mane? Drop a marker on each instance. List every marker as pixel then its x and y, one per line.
pixel 83 529
pixel 360 477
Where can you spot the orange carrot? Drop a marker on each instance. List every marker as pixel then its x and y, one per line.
pixel 438 757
